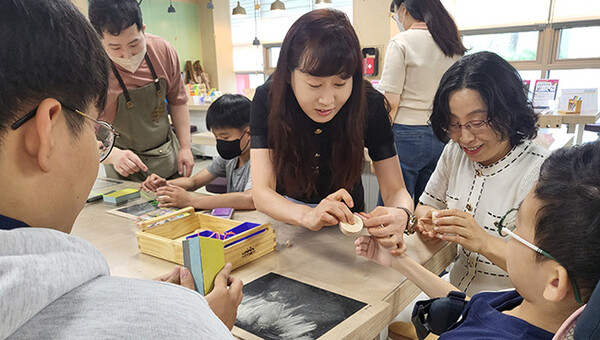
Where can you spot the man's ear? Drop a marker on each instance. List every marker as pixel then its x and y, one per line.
pixel 39 142
pixel 144 28
pixel 558 283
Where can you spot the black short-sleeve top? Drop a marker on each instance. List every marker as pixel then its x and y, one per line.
pixel 378 139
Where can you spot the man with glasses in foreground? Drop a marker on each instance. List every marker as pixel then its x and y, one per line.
pixel 53 285
pixel 552 255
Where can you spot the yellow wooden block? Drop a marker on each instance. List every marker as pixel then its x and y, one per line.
pixel 213 260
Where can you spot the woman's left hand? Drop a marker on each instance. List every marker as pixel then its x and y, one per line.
pixel 460 227
pixel 387 226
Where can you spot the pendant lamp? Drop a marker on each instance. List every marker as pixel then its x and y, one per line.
pixel 277 5
pixel 238 10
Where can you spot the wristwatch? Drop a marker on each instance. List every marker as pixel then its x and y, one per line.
pixel 411 223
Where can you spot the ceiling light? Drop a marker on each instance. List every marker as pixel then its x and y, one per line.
pixel 277 5
pixel 238 10
pixel 171 9
pixel 322 3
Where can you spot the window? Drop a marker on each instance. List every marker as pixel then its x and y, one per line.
pixel 576 79
pixel 579 42
pixel 529 76
pixel 471 14
pixel 274 55
pixel 555 39
pixel 270 28
pixel 572 10
pixel 271 57
pixel 511 46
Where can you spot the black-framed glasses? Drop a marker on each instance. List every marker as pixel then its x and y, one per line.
pixel 105 133
pixel 473 126
pixel 507 222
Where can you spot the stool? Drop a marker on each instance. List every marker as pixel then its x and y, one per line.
pixel 405 331
pixel 217 186
pixel 402 331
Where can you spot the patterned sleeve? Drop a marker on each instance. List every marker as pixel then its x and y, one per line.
pixel 531 174
pixel 435 191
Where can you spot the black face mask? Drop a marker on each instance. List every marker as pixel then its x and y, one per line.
pixel 230 149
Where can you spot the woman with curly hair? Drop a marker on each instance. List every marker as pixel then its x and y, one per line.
pixel 488 166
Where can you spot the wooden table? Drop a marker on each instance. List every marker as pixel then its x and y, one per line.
pixel 325 259
pixel 575 122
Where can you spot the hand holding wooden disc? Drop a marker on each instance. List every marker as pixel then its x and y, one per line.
pixel 352 229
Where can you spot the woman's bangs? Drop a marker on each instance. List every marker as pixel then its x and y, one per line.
pixel 329 59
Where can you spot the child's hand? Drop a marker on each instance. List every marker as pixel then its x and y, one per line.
pixel 173 196
pixel 153 182
pixel 368 247
pixel 330 211
pixel 226 296
pixel 460 227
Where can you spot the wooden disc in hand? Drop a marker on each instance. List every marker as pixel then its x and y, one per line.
pixel 352 229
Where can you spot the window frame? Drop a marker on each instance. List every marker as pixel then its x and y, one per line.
pixel 548 46
pixel 268 69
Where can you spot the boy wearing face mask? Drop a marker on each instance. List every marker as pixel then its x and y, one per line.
pixel 145 81
pixel 228 118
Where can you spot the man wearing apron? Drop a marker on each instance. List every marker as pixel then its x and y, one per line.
pixel 145 80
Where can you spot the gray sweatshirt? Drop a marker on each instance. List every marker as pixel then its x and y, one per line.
pixel 57 286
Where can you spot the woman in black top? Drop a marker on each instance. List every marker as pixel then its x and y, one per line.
pixel 310 123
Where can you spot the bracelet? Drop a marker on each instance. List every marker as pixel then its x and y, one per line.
pixel 410 223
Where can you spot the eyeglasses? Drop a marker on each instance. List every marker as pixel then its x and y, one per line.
pixel 474 127
pixel 507 222
pixel 105 133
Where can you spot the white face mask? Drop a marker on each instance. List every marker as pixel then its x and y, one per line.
pixel 399 23
pixel 132 63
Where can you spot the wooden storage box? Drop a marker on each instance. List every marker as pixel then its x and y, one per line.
pixel 164 241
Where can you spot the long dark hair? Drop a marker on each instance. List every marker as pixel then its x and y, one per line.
pixel 321 43
pixel 510 113
pixel 439 23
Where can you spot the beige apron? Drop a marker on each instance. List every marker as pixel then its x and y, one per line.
pixel 143 124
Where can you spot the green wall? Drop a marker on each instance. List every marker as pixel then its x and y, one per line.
pixel 181 28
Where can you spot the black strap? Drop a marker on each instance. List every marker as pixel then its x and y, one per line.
pixel 125 92
pixel 156 84
pixel 124 88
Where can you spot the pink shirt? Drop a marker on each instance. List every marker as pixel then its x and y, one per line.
pixel 166 64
